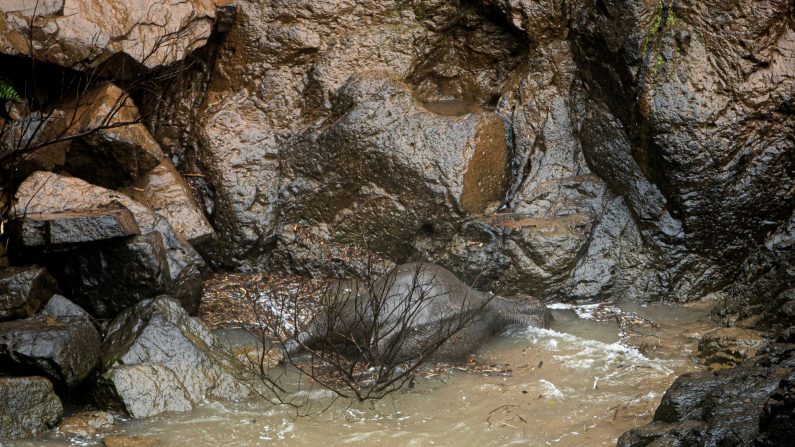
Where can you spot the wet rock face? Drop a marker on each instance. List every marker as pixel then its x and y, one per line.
pixel 29 406
pixel 64 348
pixel 736 406
pixel 357 173
pixel 307 51
pixel 713 142
pixel 121 38
pixel 24 290
pixel 157 358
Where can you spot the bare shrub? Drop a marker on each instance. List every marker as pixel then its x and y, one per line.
pixel 360 338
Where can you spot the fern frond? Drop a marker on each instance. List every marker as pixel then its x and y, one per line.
pixel 8 93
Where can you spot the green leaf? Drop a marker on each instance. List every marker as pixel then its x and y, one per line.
pixel 8 93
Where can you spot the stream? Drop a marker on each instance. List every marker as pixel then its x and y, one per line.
pixel 599 371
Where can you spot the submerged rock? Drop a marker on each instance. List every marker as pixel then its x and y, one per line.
pixel 28 406
pixel 66 349
pixel 86 424
pixel 157 358
pixel 130 441
pixel 24 290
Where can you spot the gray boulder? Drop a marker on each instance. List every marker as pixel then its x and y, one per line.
pixel 66 349
pixel 157 358
pixel 28 406
pixel 60 306
pixel 23 290
pixel 72 227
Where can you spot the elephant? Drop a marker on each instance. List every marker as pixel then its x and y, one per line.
pixel 415 312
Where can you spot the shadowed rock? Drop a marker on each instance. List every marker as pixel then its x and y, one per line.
pixel 45 192
pixel 24 290
pixel 29 406
pixel 64 348
pixel 111 277
pixel 105 141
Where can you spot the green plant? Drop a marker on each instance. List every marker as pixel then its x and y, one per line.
pixel 8 93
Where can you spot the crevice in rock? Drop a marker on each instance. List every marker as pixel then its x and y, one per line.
pixel 469 62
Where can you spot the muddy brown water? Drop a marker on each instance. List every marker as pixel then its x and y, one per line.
pixel 581 383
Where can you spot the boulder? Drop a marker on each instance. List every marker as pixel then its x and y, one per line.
pixel 46 192
pixel 109 278
pixel 115 150
pixel 144 390
pixel 24 290
pixel 66 349
pixel 166 193
pixel 72 227
pixel 725 407
pixel 28 406
pixel 60 306
pixel 158 359
pixel 119 39
pixel 130 441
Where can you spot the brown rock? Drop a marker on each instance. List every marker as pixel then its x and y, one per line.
pixel 119 152
pixel 120 38
pixel 86 424
pixel 166 193
pixel 730 345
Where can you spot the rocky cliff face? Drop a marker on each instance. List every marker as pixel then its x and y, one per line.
pixel 578 150
pixel 648 147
